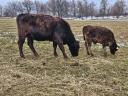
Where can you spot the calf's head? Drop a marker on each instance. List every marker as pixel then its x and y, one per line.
pixel 74 48
pixel 113 48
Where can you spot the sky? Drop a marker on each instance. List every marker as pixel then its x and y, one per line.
pixel 4 2
pixel 97 2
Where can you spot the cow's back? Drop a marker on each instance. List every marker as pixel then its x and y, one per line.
pixel 40 26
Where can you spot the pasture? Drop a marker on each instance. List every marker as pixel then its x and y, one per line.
pixel 50 76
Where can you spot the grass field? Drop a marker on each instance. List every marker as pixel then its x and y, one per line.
pixel 50 76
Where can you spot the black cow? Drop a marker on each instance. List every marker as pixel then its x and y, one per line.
pixel 102 35
pixel 44 27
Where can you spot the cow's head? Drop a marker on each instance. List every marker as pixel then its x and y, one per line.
pixel 74 48
pixel 113 48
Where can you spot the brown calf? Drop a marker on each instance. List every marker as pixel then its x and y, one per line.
pixel 102 35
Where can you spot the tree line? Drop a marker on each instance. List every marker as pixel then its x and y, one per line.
pixel 65 8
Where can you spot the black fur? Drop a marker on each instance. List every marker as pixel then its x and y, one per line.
pixel 44 27
pixel 113 48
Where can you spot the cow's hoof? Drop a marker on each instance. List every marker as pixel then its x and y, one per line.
pixel 23 57
pixel 92 55
pixel 75 64
pixel 66 58
pixel 88 53
pixel 36 55
pixel 105 55
pixel 56 55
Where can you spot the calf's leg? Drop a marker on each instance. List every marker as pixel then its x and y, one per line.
pixel 30 44
pixel 20 45
pixel 55 46
pixel 104 49
pixel 86 46
pixel 89 48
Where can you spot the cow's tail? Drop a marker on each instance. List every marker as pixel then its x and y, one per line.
pixel 18 18
pixel 84 35
pixel 18 23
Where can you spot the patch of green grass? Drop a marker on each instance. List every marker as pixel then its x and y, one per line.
pixel 50 76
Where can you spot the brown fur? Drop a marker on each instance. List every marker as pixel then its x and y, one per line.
pixel 97 34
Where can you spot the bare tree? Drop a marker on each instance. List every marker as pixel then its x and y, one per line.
pixel 52 6
pixel 28 4
pixel 59 7
pixel 103 7
pixel 126 9
pixel 65 6
pixel 80 9
pixel 73 9
pixel 19 7
pixel 118 8
pixel 40 7
pixel 109 11
pixel 92 9
pixel 11 9
pixel 43 8
pixel 86 8
pixel 37 6
pixel 1 10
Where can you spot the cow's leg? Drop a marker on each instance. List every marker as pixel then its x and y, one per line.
pixel 89 48
pixel 62 49
pixel 59 42
pixel 55 46
pixel 104 49
pixel 20 44
pixel 86 46
pixel 30 44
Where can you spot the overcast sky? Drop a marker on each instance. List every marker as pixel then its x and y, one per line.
pixel 4 2
pixel 97 2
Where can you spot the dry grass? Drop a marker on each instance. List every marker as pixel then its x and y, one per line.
pixel 50 76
